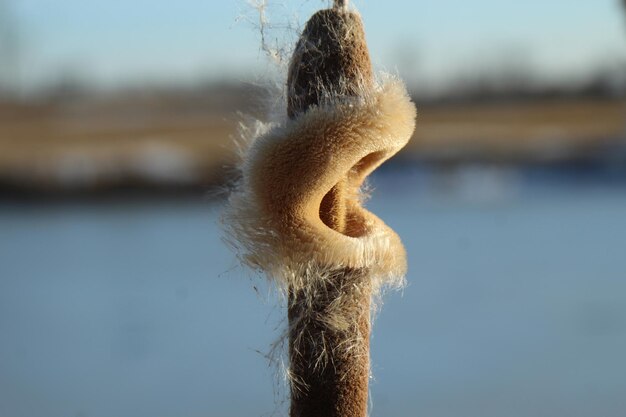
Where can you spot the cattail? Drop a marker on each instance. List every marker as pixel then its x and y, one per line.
pixel 297 213
pixel 331 60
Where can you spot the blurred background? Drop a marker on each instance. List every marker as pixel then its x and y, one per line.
pixel 118 297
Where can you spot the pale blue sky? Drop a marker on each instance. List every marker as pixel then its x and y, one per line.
pixel 126 41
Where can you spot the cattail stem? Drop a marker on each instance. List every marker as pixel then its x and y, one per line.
pixel 341 4
pixel 339 386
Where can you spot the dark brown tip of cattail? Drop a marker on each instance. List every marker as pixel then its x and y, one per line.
pixel 331 59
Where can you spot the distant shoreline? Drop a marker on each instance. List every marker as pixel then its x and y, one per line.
pixel 160 147
pixel 569 173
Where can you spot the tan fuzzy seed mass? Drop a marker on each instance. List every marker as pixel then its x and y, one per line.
pixel 273 218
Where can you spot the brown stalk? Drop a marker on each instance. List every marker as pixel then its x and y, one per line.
pixel 331 60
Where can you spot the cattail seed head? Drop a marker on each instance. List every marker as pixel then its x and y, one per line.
pixel 330 59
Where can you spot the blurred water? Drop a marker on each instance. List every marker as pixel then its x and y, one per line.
pixel 516 306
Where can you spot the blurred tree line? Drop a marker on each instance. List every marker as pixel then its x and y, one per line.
pixel 508 75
